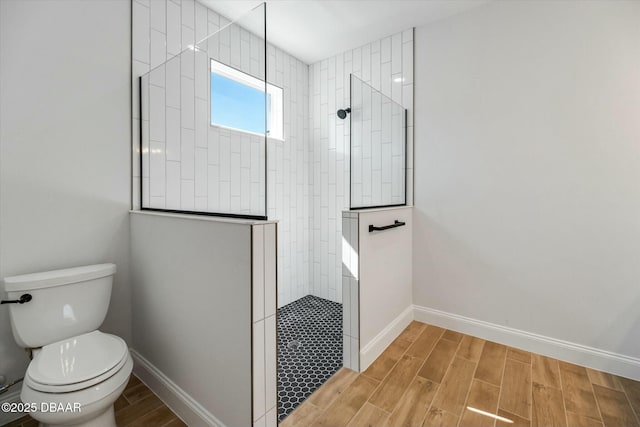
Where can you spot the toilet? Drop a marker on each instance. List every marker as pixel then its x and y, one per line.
pixel 77 372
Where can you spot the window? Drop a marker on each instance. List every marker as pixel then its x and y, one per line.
pixel 238 102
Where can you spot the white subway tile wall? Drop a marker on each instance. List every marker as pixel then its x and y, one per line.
pixel 307 173
pixel 263 241
pixel 178 99
pixel 387 66
pixel 350 291
pixel 377 148
pixel 289 176
pixel 207 168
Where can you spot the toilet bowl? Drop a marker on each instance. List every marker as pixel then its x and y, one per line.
pixel 77 372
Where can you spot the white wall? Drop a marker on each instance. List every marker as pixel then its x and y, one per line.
pixel 381 64
pixel 527 194
pixel 64 146
pixel 193 317
pixel 385 279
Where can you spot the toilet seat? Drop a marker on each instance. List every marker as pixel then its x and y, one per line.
pixel 76 363
pixel 93 400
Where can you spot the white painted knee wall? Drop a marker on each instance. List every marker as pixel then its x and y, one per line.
pixel 377 275
pixel 204 305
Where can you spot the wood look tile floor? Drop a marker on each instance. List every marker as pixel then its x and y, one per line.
pixel 430 376
pixel 136 407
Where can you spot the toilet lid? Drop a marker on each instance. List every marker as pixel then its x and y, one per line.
pixel 77 362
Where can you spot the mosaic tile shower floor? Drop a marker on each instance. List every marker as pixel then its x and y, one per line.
pixel 309 349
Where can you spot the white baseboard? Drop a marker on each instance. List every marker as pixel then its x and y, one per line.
pixel 183 405
pixel 374 348
pixel 602 360
pixel 10 397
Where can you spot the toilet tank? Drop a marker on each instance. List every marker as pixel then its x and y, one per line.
pixel 64 303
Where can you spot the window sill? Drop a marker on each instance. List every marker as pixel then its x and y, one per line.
pixel 245 132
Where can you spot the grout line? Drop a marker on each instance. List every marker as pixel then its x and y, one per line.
pixel 394 365
pixel 606 386
pixel 388 414
pixel 175 417
pixel 368 397
pixel 179 154
pixel 195 118
pixel 413 378
pixel 374 391
pixel 531 385
pixel 323 410
pixel 564 403
pixel 166 181
pixel 148 413
pixel 483 381
pixel 626 395
pixel 466 399
pixel 595 397
pixel 504 368
pixel 129 403
pixel 432 348
pixel 445 374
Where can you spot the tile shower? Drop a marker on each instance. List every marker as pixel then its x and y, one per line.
pixel 193 166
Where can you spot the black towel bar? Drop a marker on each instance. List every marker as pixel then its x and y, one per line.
pixel 395 224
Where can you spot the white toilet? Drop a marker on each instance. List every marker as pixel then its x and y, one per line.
pixel 77 372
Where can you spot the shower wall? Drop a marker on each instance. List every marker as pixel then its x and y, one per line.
pixel 307 173
pixel 386 65
pixel 288 178
pixel 202 167
pixel 377 148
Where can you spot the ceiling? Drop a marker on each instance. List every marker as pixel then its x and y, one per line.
pixel 312 30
